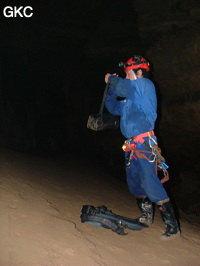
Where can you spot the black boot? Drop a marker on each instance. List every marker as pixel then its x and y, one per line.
pixel 146 208
pixel 168 216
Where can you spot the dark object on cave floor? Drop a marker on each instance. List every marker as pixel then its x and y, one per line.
pixel 104 218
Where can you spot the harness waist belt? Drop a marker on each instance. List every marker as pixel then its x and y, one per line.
pixel 140 137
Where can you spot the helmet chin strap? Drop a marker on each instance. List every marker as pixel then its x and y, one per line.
pixel 134 74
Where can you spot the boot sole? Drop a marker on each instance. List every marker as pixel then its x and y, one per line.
pixel 171 237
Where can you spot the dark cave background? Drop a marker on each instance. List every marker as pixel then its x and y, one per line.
pixel 52 69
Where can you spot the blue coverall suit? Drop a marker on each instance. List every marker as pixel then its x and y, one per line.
pixel 138 112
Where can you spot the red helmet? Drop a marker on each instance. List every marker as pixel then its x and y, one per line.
pixel 136 62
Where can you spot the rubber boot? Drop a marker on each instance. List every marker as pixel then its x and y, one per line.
pixel 168 216
pixel 146 208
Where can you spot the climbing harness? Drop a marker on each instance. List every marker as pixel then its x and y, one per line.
pixel 154 151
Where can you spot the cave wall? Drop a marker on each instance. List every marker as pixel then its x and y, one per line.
pixel 176 69
pixel 156 17
pixel 52 69
pixel 173 26
pixel 52 72
pixel 174 56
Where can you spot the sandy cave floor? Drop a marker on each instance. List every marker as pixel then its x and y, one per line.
pixel 40 207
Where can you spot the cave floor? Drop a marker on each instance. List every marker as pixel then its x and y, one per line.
pixel 40 207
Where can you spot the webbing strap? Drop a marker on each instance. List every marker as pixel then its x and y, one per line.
pixel 140 137
pixel 104 98
pixel 103 222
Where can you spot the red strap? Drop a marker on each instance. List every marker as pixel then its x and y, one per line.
pixel 140 137
pixel 166 177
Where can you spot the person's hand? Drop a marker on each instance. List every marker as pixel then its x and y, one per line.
pixel 108 75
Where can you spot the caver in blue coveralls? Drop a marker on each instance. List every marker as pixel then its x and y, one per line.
pixel 137 115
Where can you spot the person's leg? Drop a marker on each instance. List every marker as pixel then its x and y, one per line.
pixel 146 208
pixel 133 177
pixel 156 193
pixel 135 187
pixel 169 218
pixel 150 182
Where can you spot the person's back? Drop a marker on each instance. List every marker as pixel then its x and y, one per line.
pixel 138 109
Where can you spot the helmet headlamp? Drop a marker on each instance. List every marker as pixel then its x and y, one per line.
pixel 135 62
